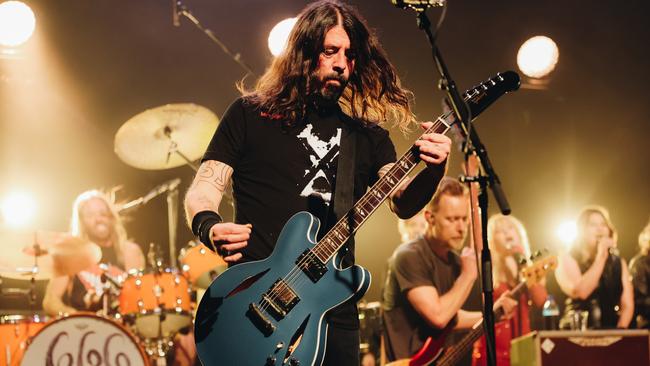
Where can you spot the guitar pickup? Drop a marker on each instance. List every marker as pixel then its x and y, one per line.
pixel 280 298
pixel 311 265
pixel 260 320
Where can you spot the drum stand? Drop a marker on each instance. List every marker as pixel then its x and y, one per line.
pixel 158 348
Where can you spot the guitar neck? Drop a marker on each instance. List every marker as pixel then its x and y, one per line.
pixel 477 98
pixel 376 195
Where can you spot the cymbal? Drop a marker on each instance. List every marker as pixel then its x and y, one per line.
pixel 150 139
pixel 57 254
pixel 17 259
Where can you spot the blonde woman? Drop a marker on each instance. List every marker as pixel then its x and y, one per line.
pixel 508 243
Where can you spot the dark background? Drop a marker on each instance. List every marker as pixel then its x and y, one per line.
pixel 92 65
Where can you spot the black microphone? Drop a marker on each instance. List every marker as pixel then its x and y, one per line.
pixel 175 19
pixel 417 4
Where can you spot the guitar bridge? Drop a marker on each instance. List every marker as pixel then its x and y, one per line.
pixel 280 299
pixel 311 265
pixel 262 323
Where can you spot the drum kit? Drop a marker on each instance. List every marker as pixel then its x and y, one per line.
pixel 143 310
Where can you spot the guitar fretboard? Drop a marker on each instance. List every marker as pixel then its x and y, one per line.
pixel 373 198
pixel 477 99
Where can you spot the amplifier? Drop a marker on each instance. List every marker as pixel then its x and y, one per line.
pixel 592 347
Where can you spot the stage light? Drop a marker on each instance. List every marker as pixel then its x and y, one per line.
pixel 538 56
pixel 17 23
pixel 567 232
pixel 279 35
pixel 18 209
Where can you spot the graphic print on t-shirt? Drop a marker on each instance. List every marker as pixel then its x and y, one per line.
pixel 323 149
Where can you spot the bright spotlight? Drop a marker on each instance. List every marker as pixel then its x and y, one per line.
pixel 17 23
pixel 567 232
pixel 18 209
pixel 279 35
pixel 538 56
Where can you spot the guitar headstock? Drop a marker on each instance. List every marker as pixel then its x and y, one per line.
pixel 536 270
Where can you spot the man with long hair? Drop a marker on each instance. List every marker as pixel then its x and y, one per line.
pixel 94 219
pixel 594 278
pixel 280 146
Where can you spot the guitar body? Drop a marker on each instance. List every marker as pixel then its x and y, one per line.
pixel 228 332
pixel 431 351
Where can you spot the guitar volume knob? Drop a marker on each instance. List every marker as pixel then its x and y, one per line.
pixel 270 361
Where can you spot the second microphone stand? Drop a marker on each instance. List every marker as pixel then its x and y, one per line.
pixel 472 145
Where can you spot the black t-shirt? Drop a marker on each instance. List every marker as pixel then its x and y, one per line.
pixel 412 265
pixel 280 170
pixel 606 296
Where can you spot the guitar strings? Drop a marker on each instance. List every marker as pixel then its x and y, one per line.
pixel 293 278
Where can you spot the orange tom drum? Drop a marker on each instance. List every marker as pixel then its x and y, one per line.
pixel 16 332
pixel 200 264
pixel 156 303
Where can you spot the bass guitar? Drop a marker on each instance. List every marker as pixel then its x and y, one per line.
pixel 272 312
pixel 433 351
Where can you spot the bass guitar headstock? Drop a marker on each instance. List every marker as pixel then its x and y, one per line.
pixel 537 268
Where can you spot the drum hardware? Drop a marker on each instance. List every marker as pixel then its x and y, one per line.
pixel 166 137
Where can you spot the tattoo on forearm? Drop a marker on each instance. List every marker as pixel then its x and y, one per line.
pixel 216 174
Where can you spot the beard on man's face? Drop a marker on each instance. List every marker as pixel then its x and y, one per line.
pixel 329 92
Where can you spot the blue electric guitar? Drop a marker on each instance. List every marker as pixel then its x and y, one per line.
pixel 272 312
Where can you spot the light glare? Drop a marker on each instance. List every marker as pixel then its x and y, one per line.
pixel 567 232
pixel 279 35
pixel 17 23
pixel 18 209
pixel 538 56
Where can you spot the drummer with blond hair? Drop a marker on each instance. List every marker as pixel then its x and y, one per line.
pixel 95 223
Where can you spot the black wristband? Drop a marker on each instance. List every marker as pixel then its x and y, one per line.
pixel 201 225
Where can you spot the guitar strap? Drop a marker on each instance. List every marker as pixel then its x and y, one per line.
pixel 344 187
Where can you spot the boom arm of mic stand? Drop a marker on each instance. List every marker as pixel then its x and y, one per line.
pixel 184 11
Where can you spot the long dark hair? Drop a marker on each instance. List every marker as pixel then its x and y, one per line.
pixel 373 94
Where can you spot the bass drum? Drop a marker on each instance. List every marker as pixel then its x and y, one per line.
pixel 84 339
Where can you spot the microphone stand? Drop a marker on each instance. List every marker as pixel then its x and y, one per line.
pixel 184 11
pixel 472 145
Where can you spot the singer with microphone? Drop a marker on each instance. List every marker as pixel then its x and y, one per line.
pixel 508 241
pixel 593 276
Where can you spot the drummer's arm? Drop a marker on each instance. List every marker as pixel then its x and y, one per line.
pixel 133 258
pixel 207 189
pixel 53 299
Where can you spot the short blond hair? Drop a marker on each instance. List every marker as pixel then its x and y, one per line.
pixel 447 186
